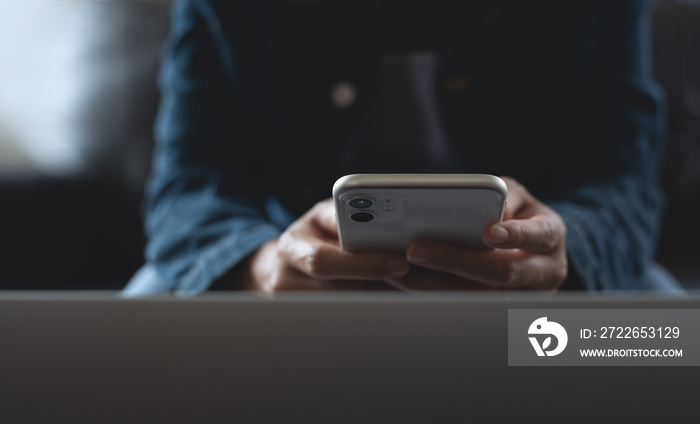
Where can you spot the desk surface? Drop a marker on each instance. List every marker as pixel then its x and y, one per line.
pixel 324 358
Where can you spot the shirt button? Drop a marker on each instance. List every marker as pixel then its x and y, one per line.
pixel 343 95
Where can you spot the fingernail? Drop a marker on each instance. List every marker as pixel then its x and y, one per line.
pixel 397 267
pixel 419 254
pixel 498 235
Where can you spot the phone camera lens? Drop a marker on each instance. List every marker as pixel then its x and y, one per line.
pixel 362 217
pixel 361 203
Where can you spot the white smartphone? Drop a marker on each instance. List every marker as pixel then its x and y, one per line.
pixel 386 212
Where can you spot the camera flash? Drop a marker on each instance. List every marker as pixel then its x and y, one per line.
pixel 388 208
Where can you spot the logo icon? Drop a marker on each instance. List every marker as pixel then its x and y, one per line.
pixel 541 326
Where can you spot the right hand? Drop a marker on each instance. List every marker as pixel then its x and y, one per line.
pixel 307 256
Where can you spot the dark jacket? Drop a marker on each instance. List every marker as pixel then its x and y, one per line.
pixel 557 94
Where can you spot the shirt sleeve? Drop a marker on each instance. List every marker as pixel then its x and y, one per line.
pixel 203 212
pixel 609 196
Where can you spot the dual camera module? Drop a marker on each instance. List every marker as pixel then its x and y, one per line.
pixel 362 204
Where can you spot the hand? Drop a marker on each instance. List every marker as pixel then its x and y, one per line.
pixel 308 257
pixel 529 252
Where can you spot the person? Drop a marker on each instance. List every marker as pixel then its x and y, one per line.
pixel 266 103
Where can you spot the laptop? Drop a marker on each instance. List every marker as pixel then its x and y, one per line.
pixel 326 358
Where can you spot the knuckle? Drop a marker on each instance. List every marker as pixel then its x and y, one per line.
pixel 286 240
pixel 316 262
pixel 550 237
pixel 514 184
pixel 519 234
pixel 508 180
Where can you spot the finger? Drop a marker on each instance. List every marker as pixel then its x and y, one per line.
pixel 323 217
pixel 421 279
pixel 498 267
pixel 293 280
pixel 520 203
pixel 540 234
pixel 324 261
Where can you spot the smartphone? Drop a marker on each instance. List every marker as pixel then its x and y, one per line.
pixel 386 212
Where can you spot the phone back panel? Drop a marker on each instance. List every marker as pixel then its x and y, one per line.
pixel 401 215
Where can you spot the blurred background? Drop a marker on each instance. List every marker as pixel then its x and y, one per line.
pixel 78 97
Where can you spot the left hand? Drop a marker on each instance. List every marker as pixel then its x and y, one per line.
pixel 529 252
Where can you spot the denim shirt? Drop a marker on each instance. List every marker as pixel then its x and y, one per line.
pixel 558 95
